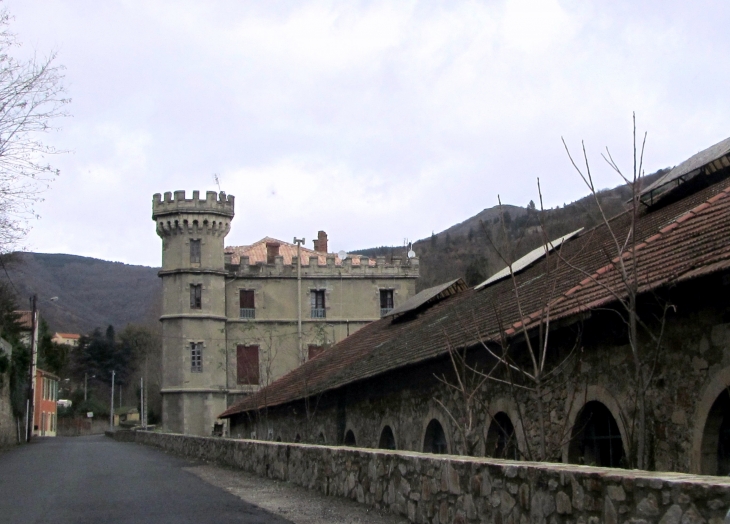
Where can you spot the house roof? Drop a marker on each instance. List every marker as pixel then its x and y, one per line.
pixel 257 253
pixel 71 336
pixel 25 319
pixel 712 159
pixel 683 240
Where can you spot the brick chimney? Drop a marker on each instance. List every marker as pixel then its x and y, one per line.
pixel 272 251
pixel 320 245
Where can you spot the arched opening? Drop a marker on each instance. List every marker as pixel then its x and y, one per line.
pixel 435 439
pixel 350 438
pixel 716 438
pixel 278 439
pixel 387 439
pixel 501 438
pixel 596 440
pixel 320 438
pixel 298 438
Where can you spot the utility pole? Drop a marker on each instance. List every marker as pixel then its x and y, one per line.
pixel 31 378
pixel 299 242
pixel 111 414
pixel 86 379
pixel 142 404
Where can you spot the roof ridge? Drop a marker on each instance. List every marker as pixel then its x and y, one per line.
pixel 593 278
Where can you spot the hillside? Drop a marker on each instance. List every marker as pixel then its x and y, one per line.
pixel 95 293
pixel 91 293
pixel 465 250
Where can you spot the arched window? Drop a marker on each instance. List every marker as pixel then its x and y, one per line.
pixel 435 439
pixel 501 438
pixel 350 438
pixel 387 440
pixel 298 438
pixel 596 440
pixel 716 438
pixel 320 438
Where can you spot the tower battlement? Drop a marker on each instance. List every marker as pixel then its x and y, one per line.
pixel 173 203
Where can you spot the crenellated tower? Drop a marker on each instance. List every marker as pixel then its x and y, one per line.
pixel 193 317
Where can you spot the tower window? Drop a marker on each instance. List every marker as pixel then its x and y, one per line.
pixel 196 357
pixel 318 307
pixel 196 296
pixel 247 364
pixel 386 301
pixel 248 304
pixel 195 251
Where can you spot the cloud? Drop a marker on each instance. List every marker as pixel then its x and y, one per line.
pixel 374 120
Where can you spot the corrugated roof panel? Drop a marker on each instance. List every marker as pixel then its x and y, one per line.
pixel 528 259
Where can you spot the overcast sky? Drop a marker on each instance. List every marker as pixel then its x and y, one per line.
pixel 374 121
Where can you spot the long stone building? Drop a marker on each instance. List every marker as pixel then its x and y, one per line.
pixel 235 319
pixel 611 347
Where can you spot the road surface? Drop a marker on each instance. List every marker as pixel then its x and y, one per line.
pixel 98 480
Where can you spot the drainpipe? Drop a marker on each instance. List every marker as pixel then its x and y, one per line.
pixel 299 242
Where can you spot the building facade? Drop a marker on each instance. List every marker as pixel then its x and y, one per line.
pixel 656 399
pixel 45 408
pixel 235 319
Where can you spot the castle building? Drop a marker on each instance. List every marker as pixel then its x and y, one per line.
pixel 236 319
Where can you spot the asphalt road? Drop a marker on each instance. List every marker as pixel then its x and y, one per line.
pixel 98 480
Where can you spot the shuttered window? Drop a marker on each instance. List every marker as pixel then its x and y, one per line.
pixel 248 305
pixel 195 251
pixel 196 296
pixel 247 363
pixel 314 350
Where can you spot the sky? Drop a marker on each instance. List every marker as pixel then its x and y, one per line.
pixel 374 121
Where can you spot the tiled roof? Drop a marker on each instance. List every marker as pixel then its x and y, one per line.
pixel 256 253
pixel 680 241
pixel 72 336
pixel 25 319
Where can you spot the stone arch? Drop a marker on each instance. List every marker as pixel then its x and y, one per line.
pixel 387 438
pixel 434 414
pixel 501 439
pixel 507 406
pixel 595 439
pixel 707 425
pixel 582 397
pixel 350 439
pixel 387 422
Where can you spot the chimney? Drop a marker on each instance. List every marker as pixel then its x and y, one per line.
pixel 272 251
pixel 320 245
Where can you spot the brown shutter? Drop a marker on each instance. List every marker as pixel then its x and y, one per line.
pixel 247 299
pixel 314 351
pixel 247 363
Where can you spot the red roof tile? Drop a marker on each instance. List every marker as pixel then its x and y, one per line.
pixel 683 240
pixel 257 253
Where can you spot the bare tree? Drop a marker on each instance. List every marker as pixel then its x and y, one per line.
pixel 623 286
pixel 31 97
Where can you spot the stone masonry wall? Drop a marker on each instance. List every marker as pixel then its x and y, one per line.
pixel 439 489
pixel 8 427
pixel 692 370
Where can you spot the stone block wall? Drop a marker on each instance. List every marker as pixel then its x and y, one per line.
pixel 8 426
pixel 439 489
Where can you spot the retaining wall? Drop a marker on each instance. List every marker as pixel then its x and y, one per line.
pixel 438 489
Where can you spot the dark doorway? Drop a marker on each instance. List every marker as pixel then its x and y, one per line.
pixel 501 440
pixel 350 438
pixel 435 439
pixel 387 440
pixel 716 438
pixel 596 440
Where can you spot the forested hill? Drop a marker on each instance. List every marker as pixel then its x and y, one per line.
pixel 91 292
pixel 465 249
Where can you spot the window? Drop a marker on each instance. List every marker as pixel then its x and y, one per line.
pixel 435 439
pixel 314 350
pixel 248 306
pixel 318 307
pixel 195 251
pixel 247 364
pixel 196 294
pixel 196 357
pixel 386 301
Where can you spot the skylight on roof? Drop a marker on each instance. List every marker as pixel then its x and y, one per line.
pixel 528 259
